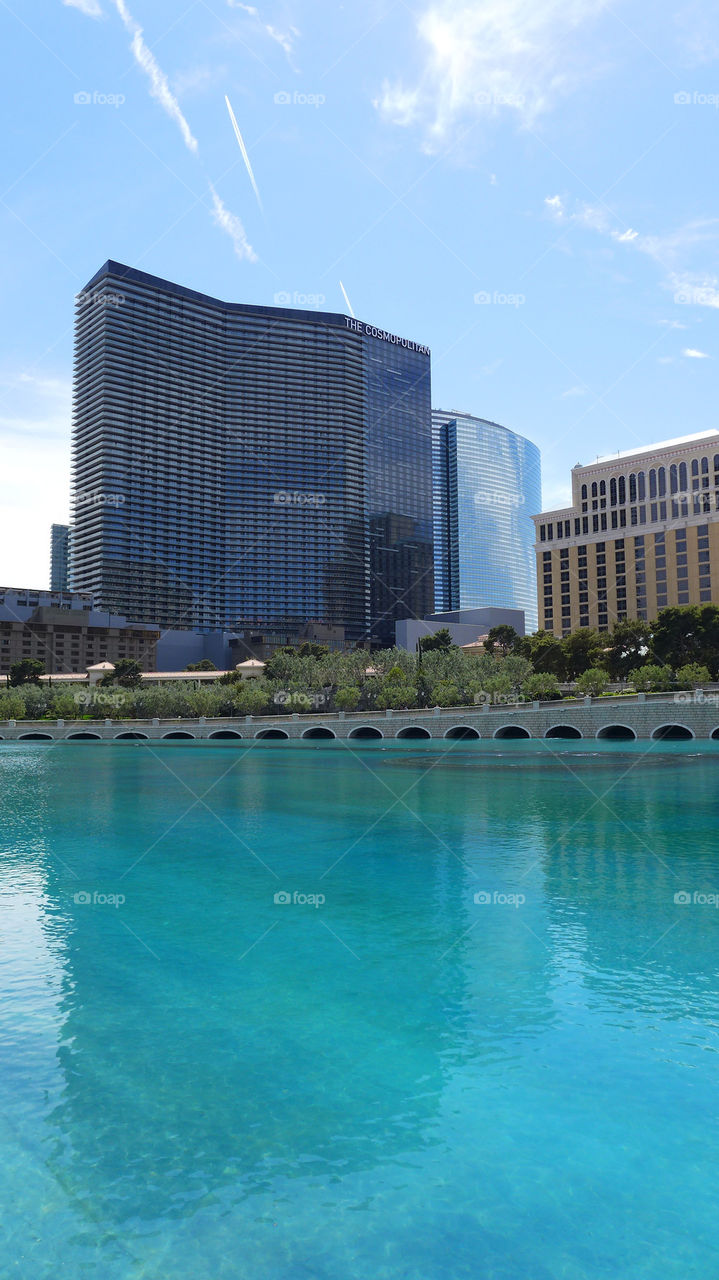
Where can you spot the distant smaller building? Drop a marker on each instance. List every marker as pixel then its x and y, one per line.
pixel 466 626
pixel 62 630
pixel 261 644
pixel 59 557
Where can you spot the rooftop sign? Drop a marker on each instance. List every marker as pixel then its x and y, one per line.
pixel 371 330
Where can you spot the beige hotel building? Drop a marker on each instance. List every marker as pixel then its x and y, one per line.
pixel 642 533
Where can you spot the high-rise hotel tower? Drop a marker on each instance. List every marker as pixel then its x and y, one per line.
pixel 248 465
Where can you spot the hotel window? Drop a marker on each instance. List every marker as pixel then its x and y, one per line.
pixel 585 524
pixel 622 490
pixel 595 524
pixel 632 488
pixel 542 533
pixel 613 492
pixel 576 527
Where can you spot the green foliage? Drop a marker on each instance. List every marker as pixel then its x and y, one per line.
pixel 692 675
pixel 205 664
pixel 397 696
pixel 26 671
pixel 541 687
pixel 629 647
pixel 503 638
pixel 446 694
pixel 545 652
pixel 441 639
pixel 593 682
pixel 127 673
pixel 651 678
pixel 687 633
pixel 583 649
pixel 347 699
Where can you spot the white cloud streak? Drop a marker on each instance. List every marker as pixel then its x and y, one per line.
pixel 243 149
pixel 491 54
pixel 285 39
pixel 232 226
pixel 159 86
pixel 691 353
pixel 90 8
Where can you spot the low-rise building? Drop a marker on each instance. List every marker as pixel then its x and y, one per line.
pixel 62 630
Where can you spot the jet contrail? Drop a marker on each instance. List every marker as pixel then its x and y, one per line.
pixel 243 149
pixel 344 294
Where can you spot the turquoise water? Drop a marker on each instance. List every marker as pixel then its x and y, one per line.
pixel 198 1082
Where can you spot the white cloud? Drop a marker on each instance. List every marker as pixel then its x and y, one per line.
pixel 230 223
pixel 90 8
pixel 196 80
pixel 555 205
pixel 285 39
pixel 573 391
pixel 487 55
pixel 159 87
pixel 692 354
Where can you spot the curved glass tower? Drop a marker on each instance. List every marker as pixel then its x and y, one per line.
pixel 247 466
pixel 487 487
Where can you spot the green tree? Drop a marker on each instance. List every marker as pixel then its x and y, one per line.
pixel 26 671
pixel 502 638
pixel 545 652
pixel 692 676
pixel 127 673
pixel 629 647
pixel 541 687
pixel 441 639
pixel 583 649
pixel 347 699
pixel 308 649
pixel 593 681
pixel 205 664
pixel 445 694
pixel 651 678
pixel 397 696
pixel 679 634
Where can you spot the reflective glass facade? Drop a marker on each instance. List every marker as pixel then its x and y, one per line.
pixel 487 487
pixel 248 466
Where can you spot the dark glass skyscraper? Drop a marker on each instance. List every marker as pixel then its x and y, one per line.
pixel 248 466
pixel 487 487
pixel 59 557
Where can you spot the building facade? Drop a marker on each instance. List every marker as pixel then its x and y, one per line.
pixel 245 467
pixel 487 485
pixel 66 633
pixel 59 557
pixel 642 533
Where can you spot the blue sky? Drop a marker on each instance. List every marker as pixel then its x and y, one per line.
pixel 528 186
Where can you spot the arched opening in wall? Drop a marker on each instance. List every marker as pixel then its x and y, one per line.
pixel 512 731
pixel 563 731
pixel 84 737
pixel 715 733
pixel 271 733
pixel 675 732
pixel 461 731
pixel 318 731
pixel 35 737
pixel 179 733
pixel 414 731
pixel 367 731
pixel 130 734
pixel 617 732
pixel 225 733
